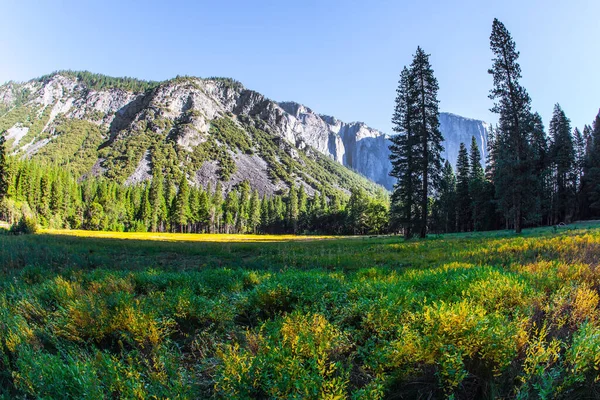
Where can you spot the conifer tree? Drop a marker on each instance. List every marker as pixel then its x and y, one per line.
pixel 231 208
pixel 446 201
pixel 541 201
pixel 157 200
pixel 404 157
pixel 293 210
pixel 427 129
pixel 563 162
pixel 254 213
pixel 476 186
pixel 463 196
pixel 4 171
pixel 593 175
pixel 514 178
pixel 181 210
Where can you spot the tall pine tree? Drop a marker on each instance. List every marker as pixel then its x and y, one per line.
pixel 4 179
pixel 563 163
pixel 476 187
pixel 404 157
pixel 513 170
pixel 593 175
pixel 463 195
pixel 426 126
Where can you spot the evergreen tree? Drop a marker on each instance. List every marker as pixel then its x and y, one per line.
pixel 563 162
pixel 4 170
pixel 254 213
pixel 514 177
pixel 541 201
pixel 593 175
pixel 181 210
pixel 446 201
pixel 293 210
pixel 426 127
pixel 231 209
pixel 357 209
pixel 477 187
pixel 584 191
pixel 463 196
pixel 404 157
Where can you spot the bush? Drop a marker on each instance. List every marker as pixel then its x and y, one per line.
pixel 25 226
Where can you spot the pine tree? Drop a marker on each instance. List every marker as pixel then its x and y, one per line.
pixel 231 209
pixel 293 210
pixel 563 162
pixel 463 196
pixel 514 177
pixel 4 170
pixel 254 213
pixel 593 175
pixel 157 200
pixel 357 211
pixel 427 128
pixel 181 210
pixel 541 201
pixel 446 201
pixel 477 187
pixel 584 191
pixel 404 157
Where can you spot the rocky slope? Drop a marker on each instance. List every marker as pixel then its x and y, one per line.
pixel 211 129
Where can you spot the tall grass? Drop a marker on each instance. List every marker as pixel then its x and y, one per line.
pixel 464 316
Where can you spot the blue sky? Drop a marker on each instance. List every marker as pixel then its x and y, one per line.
pixel 340 58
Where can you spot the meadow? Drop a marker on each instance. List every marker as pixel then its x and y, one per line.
pixel 136 316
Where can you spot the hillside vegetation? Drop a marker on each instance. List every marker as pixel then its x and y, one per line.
pixel 470 316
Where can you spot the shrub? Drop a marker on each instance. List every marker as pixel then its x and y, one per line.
pixel 25 226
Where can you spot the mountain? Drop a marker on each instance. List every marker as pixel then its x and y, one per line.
pixel 366 150
pixel 212 129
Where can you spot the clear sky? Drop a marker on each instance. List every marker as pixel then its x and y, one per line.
pixel 338 57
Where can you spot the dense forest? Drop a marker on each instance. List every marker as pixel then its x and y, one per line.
pixel 531 177
pixel 55 198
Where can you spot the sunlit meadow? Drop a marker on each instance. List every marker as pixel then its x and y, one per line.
pixel 92 315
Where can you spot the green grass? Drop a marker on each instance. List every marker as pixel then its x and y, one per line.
pixel 484 315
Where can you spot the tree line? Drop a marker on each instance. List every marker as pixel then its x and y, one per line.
pixel 530 178
pixel 55 198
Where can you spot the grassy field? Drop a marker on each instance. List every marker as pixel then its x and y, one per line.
pixel 486 315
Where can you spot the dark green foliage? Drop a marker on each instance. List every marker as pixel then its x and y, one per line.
pixel 4 171
pixel 74 145
pixel 103 82
pixel 416 149
pixel 405 156
pixel 445 206
pixel 25 226
pixel 227 132
pixel 464 201
pixel 477 191
pixel 593 175
pixel 562 152
pixel 514 175
pixel 426 127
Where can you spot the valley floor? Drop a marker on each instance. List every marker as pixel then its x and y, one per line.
pixel 480 315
